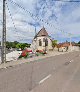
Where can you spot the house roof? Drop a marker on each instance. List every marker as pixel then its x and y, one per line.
pixel 66 44
pixel 42 32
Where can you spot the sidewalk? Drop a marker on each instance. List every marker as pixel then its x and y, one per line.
pixel 21 61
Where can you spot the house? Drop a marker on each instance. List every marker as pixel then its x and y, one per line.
pixel 75 46
pixel 63 46
pixel 42 41
pixel 67 47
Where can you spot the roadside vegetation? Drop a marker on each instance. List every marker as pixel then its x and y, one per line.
pixel 16 45
pixel 54 43
pixel 79 43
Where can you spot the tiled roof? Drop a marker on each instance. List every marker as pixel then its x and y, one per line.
pixel 42 32
pixel 66 44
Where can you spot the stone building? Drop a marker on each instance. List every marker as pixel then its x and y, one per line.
pixel 42 41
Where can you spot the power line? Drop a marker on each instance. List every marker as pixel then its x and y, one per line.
pixel 33 16
pixel 66 0
pixel 12 19
pixel 11 16
pixel 36 17
pixel 55 17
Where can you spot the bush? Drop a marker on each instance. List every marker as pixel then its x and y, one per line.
pixel 24 54
pixel 27 54
pixel 40 52
pixel 20 57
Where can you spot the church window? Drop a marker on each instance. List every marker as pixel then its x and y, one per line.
pixel 46 42
pixel 40 42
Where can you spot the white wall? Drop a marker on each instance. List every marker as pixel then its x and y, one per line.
pixel 76 48
pixel 35 43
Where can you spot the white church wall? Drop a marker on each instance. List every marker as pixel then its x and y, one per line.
pixel 35 43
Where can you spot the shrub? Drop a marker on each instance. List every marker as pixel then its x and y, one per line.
pixel 40 52
pixel 24 54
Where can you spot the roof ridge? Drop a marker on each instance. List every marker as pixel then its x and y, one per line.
pixel 42 32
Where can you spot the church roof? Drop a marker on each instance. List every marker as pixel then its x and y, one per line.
pixel 42 32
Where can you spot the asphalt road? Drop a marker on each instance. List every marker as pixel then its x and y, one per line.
pixel 53 74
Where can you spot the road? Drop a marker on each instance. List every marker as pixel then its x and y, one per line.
pixel 60 73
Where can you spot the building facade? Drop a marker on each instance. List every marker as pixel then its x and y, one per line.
pixel 42 41
pixel 66 46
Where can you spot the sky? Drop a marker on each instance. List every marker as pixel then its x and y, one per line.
pixel 60 19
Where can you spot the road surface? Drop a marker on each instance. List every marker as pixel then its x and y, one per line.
pixel 60 73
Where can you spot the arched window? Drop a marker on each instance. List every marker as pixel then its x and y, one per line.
pixel 46 42
pixel 40 42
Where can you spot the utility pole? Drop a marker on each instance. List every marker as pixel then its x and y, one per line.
pixel 70 44
pixel 35 40
pixel 3 53
pixel 35 30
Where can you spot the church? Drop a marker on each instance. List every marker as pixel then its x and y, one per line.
pixel 42 41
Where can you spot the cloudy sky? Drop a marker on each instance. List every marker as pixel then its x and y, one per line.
pixel 59 19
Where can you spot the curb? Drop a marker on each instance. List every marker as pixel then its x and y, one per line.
pixel 19 62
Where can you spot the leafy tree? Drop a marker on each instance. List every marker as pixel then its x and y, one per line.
pixel 54 43
pixel 8 45
pixel 79 43
pixel 21 46
pixel 16 44
pixel 28 45
pixel 11 44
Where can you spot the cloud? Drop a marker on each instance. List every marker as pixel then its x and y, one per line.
pixel 60 16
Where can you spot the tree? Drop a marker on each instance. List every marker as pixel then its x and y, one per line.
pixel 27 45
pixel 54 43
pixel 79 43
pixel 21 46
pixel 11 44
pixel 16 44
pixel 8 45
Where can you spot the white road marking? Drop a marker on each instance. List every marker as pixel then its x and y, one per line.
pixel 66 85
pixel 45 79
